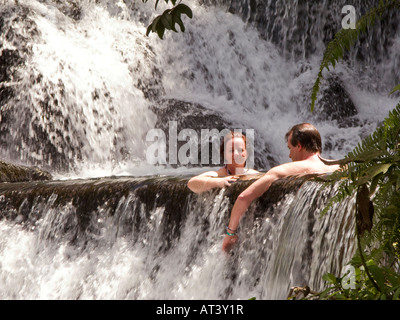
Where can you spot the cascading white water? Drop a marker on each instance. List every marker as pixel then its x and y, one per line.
pixel 281 245
pixel 79 84
pixel 83 95
pixel 87 83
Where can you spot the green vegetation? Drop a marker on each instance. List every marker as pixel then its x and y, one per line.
pixel 169 18
pixel 371 174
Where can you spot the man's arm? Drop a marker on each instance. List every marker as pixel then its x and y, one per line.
pixel 254 191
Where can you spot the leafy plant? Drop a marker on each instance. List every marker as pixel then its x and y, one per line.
pixel 169 18
pixel 362 288
pixel 371 174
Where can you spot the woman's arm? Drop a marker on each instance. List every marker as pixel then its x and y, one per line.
pixel 209 180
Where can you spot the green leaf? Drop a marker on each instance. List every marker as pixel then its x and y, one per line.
pixel 371 153
pixel 149 29
pixel 394 279
pixel 155 23
pixel 373 172
pixel 374 183
pixel 166 20
pixel 327 291
pixel 396 88
pixel 378 275
pixel 183 8
pixel 329 277
pixel 398 183
pixel 160 30
pixel 177 19
pixel 396 294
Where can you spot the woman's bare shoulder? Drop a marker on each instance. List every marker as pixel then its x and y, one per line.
pixel 216 173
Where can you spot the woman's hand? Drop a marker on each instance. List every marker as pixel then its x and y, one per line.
pixel 229 241
pixel 226 181
pixel 205 182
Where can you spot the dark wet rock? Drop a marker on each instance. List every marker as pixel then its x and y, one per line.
pixel 301 28
pixel 191 116
pixel 15 173
pixel 336 104
pixel 81 207
pixel 194 116
pixel 70 8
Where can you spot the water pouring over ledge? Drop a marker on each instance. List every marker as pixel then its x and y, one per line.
pixel 64 108
pixel 151 238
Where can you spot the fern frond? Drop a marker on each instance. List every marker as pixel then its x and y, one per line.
pixel 396 88
pixel 376 160
pixel 345 39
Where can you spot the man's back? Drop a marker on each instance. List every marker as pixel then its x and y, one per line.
pixel 313 164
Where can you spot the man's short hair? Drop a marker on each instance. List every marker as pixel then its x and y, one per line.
pixel 306 135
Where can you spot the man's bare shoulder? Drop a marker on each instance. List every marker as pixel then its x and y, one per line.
pixel 287 169
pixel 301 167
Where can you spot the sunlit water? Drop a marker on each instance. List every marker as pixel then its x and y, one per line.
pixel 89 85
pixel 136 251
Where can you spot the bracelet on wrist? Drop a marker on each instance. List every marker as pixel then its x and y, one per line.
pixel 230 232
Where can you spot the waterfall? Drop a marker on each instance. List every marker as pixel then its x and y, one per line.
pixel 151 238
pixel 81 87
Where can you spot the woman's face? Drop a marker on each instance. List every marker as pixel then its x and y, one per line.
pixel 235 151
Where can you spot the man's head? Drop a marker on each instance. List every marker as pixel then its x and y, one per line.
pixel 303 136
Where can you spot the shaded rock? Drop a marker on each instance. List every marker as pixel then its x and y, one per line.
pixel 70 8
pixel 336 103
pixel 15 173
pixel 300 28
pixel 195 117
pixel 79 210
pixel 84 205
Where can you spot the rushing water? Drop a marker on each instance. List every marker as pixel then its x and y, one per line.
pixel 81 87
pixel 140 238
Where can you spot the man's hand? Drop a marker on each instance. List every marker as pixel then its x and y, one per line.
pixel 229 241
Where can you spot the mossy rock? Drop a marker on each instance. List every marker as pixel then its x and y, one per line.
pixel 15 173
